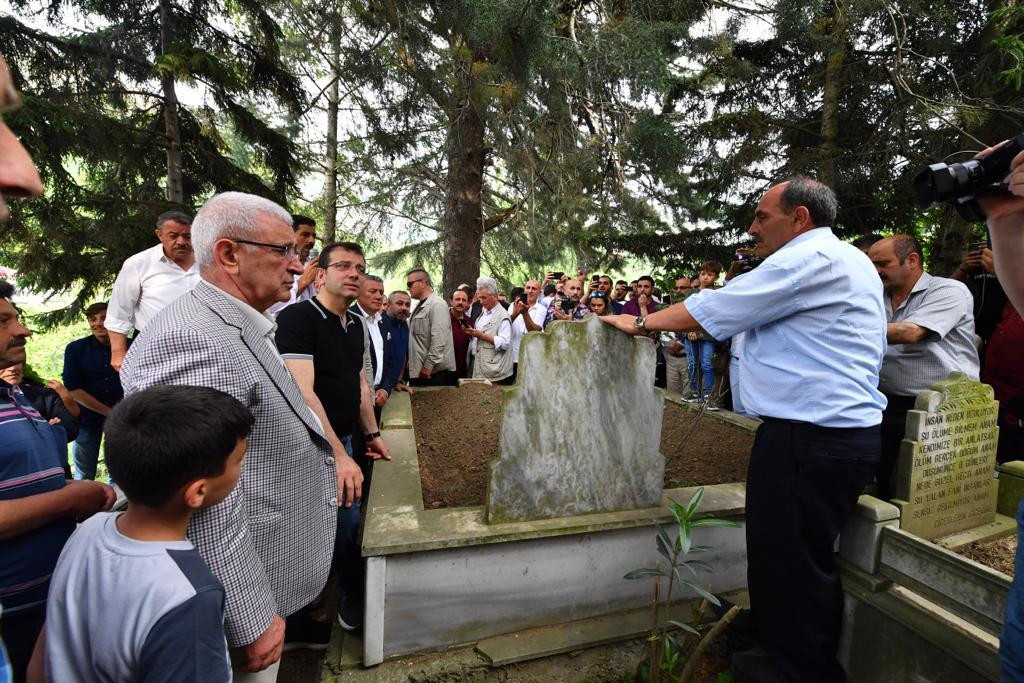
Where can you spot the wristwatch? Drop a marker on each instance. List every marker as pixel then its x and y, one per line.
pixel 371 437
pixel 639 322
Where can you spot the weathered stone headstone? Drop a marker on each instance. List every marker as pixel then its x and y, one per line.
pixel 581 428
pixel 946 480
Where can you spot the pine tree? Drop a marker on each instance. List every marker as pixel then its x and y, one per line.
pixel 114 143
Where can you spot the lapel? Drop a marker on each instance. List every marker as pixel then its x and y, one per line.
pixel 229 312
pixel 357 309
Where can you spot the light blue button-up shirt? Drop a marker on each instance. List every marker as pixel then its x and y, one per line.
pixel 815 326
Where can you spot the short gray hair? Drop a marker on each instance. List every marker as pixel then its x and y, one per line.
pixel 375 278
pixel 818 198
pixel 397 292
pixel 488 283
pixel 230 214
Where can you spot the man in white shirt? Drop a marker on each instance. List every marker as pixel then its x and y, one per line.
pixel 369 305
pixel 150 280
pixel 490 345
pixel 526 317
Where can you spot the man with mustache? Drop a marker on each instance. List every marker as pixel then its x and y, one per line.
pixel 38 506
pixel 150 280
pixel 930 334
pixel 815 329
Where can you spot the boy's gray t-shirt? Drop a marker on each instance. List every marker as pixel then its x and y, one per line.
pixel 124 610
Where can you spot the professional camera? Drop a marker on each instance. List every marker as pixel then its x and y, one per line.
pixel 962 184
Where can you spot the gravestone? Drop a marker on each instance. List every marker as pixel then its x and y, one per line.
pixel 946 480
pixel 581 428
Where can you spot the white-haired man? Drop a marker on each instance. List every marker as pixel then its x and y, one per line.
pixel 269 542
pixel 491 336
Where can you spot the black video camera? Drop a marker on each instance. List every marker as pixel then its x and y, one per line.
pixel 962 184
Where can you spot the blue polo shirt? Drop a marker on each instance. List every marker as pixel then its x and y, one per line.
pixel 31 452
pixel 87 366
pixel 815 324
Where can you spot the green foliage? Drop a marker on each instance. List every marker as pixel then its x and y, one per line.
pixel 93 119
pixel 679 571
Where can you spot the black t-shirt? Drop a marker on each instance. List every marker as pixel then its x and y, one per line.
pixel 307 330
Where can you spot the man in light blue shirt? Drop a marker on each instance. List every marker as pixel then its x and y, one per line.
pixel 815 327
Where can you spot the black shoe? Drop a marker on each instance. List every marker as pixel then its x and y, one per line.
pixel 303 633
pixel 756 666
pixel 350 613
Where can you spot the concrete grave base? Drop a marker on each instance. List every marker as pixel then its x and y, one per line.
pixel 442 578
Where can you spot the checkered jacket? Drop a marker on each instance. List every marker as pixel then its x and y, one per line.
pixel 270 541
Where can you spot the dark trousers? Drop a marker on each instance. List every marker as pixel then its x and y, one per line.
pixel 444 378
pixel 894 428
pixel 802 483
pixel 19 631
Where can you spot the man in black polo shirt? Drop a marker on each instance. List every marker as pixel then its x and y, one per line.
pixel 326 349
pixel 94 385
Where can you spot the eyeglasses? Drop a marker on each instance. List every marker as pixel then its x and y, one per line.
pixel 410 283
pixel 345 265
pixel 287 250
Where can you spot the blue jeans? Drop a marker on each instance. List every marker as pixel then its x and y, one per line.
pixel 703 351
pixel 86 450
pixel 348 560
pixel 1011 642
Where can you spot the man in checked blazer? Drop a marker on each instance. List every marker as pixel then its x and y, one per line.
pixel 270 541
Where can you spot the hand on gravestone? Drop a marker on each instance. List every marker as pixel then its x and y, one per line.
pixel 624 322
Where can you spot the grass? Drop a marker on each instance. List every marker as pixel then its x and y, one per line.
pixel 45 354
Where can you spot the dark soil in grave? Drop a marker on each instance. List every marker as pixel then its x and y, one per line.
pixel 997 554
pixel 457 436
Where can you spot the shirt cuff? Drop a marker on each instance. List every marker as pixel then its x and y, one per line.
pixel 119 326
pixel 695 306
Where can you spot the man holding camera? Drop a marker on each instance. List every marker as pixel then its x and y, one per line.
pixel 567 305
pixel 819 441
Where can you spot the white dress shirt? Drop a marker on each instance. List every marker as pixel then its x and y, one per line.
pixel 537 312
pixel 373 326
pixel 504 336
pixel 147 283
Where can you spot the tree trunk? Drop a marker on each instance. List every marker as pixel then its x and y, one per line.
pixel 331 181
pixel 175 186
pixel 463 220
pixel 834 62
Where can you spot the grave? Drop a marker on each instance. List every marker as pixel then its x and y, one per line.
pixel 437 578
pixel 946 480
pixel 554 461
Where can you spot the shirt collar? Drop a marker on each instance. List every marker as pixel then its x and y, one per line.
pixel 922 283
pixel 262 322
pixel 823 232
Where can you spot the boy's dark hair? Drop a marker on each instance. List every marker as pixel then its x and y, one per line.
pixel 95 308
pixel 6 290
pixel 325 254
pixel 549 289
pixel 298 219
pixel 164 437
pixel 711 267
pixel 646 278
pixel 621 282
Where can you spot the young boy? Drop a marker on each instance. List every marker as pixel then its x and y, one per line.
pixel 131 599
pixel 700 346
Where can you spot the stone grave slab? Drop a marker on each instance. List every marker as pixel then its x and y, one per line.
pixel 581 428
pixel 946 480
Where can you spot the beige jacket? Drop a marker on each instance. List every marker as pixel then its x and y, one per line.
pixel 430 337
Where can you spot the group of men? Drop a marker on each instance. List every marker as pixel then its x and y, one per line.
pixel 819 324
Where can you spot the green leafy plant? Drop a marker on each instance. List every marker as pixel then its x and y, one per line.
pixel 668 653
